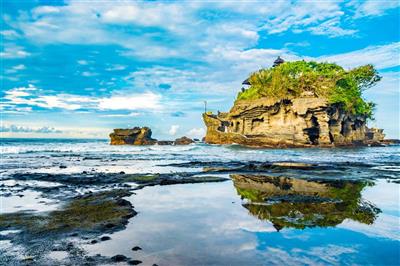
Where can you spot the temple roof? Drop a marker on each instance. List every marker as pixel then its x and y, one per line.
pixel 278 61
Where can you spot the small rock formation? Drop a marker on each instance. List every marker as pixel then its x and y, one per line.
pixel 142 136
pixel 183 141
pixel 299 122
pixel 374 134
pixel 133 136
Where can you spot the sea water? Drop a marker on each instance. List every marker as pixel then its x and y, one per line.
pixel 221 223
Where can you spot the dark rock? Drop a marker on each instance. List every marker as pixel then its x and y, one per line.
pixel 62 166
pixel 94 241
pixel 136 248
pixel 183 141
pixel 165 142
pixel 105 238
pixel 122 173
pixel 134 262
pixel 119 258
pixel 109 225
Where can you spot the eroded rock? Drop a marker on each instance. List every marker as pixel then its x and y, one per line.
pixel 297 122
pixel 133 136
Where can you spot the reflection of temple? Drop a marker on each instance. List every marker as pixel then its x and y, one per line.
pixel 299 203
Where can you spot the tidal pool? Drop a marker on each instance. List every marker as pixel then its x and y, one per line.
pixel 260 223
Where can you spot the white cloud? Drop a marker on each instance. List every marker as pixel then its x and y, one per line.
pixel 88 74
pixel 82 62
pixel 116 67
pixel 14 51
pixel 372 7
pixel 132 114
pixel 173 130
pixel 9 34
pixel 15 129
pixel 30 97
pixel 147 100
pixel 331 28
pixel 197 133
pixel 184 28
pixel 15 69
pixel 44 10
pixel 381 56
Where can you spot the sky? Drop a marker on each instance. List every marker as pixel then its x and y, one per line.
pixel 78 69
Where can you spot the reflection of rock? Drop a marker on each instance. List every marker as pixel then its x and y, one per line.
pixel 133 136
pixel 299 203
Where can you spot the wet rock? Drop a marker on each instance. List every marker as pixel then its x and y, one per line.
pixel 28 259
pixel 70 246
pixel 183 141
pixel 109 225
pixel 165 142
pixel 62 166
pixel 94 241
pixel 119 258
pixel 105 238
pixel 136 248
pixel 134 262
pixel 294 165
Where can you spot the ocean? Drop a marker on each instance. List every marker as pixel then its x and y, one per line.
pixel 316 206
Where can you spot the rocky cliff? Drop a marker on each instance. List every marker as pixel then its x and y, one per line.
pixel 299 122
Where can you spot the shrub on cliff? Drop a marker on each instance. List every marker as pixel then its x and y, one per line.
pixel 327 80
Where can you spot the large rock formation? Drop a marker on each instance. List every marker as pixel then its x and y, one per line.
pixel 299 122
pixel 132 136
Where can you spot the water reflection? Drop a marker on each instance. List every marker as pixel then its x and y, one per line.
pixel 299 203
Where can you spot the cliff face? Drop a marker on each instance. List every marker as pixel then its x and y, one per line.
pixel 298 122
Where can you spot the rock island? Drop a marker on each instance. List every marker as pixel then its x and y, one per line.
pixel 299 104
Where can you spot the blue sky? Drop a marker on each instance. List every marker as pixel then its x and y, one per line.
pixel 82 68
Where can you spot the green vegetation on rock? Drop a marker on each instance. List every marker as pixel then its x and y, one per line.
pixel 88 212
pixel 326 80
